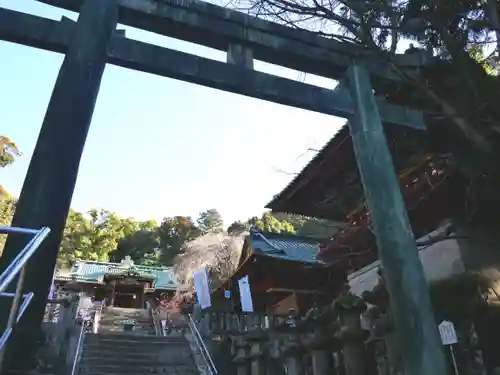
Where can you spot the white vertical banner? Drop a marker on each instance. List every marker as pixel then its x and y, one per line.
pixel 201 286
pixel 245 294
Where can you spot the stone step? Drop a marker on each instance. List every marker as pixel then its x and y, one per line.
pixel 128 361
pixel 135 331
pixel 119 320
pixel 138 349
pixel 163 353
pixel 94 351
pixel 139 346
pixel 155 346
pixel 135 353
pixel 172 372
pixel 113 324
pixel 106 325
pixel 177 369
pixel 131 338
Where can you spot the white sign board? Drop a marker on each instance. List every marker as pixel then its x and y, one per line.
pixel 201 286
pixel 245 295
pixel 447 332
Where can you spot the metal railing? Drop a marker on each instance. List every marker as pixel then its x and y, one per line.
pixel 201 345
pixel 79 344
pixel 97 310
pixel 78 350
pixel 20 301
pixel 97 317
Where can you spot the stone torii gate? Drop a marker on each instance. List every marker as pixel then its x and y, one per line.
pixel 93 41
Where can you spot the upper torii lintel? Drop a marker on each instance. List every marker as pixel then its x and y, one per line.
pixel 218 27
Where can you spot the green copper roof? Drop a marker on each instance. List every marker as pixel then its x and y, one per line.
pixel 285 246
pixel 94 272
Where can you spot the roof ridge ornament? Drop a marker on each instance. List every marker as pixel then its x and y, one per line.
pixel 127 262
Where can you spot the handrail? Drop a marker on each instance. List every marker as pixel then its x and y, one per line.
pixel 9 230
pixel 26 301
pixel 97 317
pixel 78 348
pixel 20 260
pixel 15 268
pixel 201 345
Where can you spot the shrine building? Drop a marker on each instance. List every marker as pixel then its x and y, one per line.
pixel 123 284
pixel 330 187
pixel 284 273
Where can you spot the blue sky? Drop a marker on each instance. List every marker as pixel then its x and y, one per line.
pixel 159 147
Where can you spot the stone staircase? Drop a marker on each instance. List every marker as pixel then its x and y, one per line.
pixel 112 319
pixel 114 352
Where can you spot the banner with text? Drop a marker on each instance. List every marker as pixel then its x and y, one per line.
pixel 201 286
pixel 245 294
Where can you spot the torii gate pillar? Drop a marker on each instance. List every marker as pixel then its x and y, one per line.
pixel 414 321
pixel 50 181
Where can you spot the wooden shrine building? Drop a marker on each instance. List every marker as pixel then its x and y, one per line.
pixel 284 273
pixel 121 284
pixel 434 191
pixel 329 187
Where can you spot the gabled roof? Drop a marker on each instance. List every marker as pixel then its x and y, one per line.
pixel 94 272
pixel 330 187
pixel 284 246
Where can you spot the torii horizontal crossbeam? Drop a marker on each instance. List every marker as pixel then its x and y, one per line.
pixel 217 27
pixel 53 35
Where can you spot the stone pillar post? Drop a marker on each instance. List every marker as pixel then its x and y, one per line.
pixel 322 356
pixel 257 339
pixel 142 294
pixel 292 355
pixel 292 348
pixel 240 360
pixel 113 294
pixel 321 344
pixel 349 308
pixel 240 55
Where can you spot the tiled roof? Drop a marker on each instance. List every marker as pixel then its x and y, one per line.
pixel 285 246
pixel 90 271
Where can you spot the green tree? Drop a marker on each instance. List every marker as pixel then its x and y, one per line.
pixel 8 154
pixel 8 151
pixel 174 233
pixel 268 223
pixel 310 226
pixel 318 228
pixel 237 227
pixel 141 244
pixel 74 238
pixel 210 221
pixel 93 236
pixel 7 207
